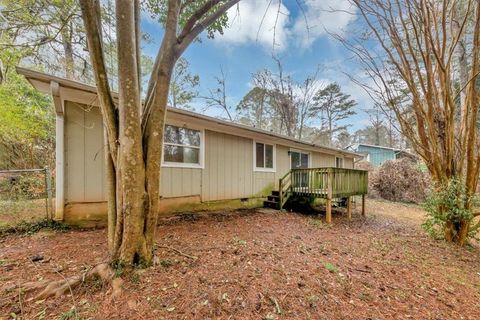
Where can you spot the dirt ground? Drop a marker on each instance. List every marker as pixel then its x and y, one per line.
pixel 257 264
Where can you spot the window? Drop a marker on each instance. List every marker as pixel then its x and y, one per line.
pixel 339 162
pixel 299 160
pixel 182 147
pixel 264 155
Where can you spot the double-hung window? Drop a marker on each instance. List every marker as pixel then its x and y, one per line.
pixel 264 156
pixel 182 147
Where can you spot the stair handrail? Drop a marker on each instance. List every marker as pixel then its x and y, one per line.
pixel 281 192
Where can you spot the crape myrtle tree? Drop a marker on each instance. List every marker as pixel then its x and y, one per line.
pixel 423 59
pixel 134 131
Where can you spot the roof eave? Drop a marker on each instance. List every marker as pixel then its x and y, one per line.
pixel 33 76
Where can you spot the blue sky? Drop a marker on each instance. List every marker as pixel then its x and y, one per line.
pixel 247 46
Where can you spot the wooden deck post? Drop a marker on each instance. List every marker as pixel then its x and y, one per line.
pixel 349 208
pixel 363 205
pixel 328 216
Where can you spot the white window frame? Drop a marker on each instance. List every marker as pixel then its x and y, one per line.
pixel 255 168
pixel 201 165
pixel 301 152
pixel 343 162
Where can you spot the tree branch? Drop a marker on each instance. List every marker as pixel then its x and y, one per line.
pixel 201 25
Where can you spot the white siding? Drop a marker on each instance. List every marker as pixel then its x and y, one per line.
pixel 228 168
pixel 84 167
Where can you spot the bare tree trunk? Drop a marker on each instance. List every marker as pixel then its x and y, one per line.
pixel 68 51
pixel 129 244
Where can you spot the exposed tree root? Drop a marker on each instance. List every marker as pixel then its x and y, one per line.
pixel 60 287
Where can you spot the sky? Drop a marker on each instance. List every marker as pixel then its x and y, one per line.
pixel 248 44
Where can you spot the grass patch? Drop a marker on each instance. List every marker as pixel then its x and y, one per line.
pixel 331 267
pixel 31 227
pixel 71 314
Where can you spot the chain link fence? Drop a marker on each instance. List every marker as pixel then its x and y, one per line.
pixel 25 196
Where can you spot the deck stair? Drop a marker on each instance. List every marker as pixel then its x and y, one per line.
pixel 273 201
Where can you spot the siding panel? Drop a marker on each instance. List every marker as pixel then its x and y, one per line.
pixel 320 160
pixel 348 163
pixel 228 167
pixel 94 157
pixel 84 154
pixel 180 182
pixel 75 153
pixel 283 162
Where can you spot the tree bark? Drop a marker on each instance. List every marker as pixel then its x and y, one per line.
pixel 129 244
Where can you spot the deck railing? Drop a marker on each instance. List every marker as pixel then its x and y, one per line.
pixel 324 182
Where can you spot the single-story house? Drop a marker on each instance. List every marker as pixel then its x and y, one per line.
pixel 207 163
pixel 377 155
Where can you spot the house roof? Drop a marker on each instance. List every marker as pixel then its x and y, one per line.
pixel 396 150
pixel 65 89
pixel 375 146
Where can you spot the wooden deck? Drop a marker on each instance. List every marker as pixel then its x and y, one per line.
pixel 327 183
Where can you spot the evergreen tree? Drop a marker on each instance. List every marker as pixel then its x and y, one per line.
pixel 334 106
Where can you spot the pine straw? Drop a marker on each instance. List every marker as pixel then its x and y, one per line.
pixel 255 265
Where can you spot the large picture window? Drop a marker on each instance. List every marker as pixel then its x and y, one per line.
pixel 264 155
pixel 182 146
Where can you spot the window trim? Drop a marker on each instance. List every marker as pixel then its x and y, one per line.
pixel 201 165
pixel 257 169
pixel 310 155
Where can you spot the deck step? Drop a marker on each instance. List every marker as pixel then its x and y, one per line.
pixel 275 193
pixel 274 198
pixel 271 204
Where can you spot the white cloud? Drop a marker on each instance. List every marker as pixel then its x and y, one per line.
pixel 266 21
pixel 320 17
pixel 258 21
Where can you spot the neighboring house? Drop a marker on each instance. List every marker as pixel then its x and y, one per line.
pixel 377 155
pixel 206 160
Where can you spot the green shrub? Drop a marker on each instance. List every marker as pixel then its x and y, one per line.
pixel 446 203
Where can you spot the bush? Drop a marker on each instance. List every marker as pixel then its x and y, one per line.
pixel 447 203
pixel 399 180
pixel 22 186
pixel 364 165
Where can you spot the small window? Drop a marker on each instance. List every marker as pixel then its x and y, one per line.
pixel 339 162
pixel 264 157
pixel 182 146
